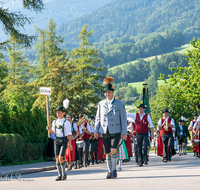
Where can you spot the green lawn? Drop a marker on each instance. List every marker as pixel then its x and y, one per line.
pixel 139 85
pixel 181 50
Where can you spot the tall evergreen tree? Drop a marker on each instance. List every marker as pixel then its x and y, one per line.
pixel 3 73
pixel 19 67
pixel 12 21
pixel 48 46
pixel 85 58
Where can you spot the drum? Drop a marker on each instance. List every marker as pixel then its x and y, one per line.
pixel 80 144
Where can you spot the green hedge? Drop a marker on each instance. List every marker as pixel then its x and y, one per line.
pixel 14 149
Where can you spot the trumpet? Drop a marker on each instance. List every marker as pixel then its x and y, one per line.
pixel 85 117
pixel 166 127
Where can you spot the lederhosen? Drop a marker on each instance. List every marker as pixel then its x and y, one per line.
pixel 60 143
pixel 181 138
pixel 110 141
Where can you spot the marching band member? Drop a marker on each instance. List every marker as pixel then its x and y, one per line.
pixel 142 120
pixel 72 155
pixel 79 148
pixel 193 129
pixel 94 144
pixel 85 127
pixel 197 135
pixel 111 122
pixel 166 124
pixel 62 130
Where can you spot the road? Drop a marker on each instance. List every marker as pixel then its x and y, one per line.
pixel 182 173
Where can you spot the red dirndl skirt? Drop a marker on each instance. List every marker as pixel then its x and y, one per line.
pixel 129 146
pixel 160 145
pixel 70 155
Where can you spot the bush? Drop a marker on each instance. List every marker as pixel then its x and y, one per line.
pixel 14 149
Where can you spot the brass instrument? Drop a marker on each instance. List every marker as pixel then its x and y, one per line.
pixel 91 123
pixel 85 117
pixel 166 126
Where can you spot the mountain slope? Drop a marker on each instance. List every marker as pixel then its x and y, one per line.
pixel 60 10
pixel 133 17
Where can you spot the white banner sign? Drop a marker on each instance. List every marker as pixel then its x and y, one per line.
pixel 45 90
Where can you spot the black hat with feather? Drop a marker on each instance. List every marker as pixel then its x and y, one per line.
pixel 108 84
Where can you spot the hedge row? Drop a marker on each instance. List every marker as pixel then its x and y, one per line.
pixel 13 148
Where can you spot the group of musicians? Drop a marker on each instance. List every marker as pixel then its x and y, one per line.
pixel 94 141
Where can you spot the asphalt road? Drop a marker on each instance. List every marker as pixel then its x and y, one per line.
pixel 182 173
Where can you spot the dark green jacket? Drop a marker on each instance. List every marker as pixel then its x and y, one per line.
pixel 185 131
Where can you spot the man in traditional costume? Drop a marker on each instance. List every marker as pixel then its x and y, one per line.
pixel 142 120
pixel 111 122
pixel 86 129
pixel 166 125
pixel 62 130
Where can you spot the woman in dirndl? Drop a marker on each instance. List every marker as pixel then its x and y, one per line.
pixel 123 153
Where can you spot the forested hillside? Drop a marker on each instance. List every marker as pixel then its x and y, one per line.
pixel 60 10
pixel 133 17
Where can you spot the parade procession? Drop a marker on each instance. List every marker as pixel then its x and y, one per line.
pixel 114 136
pixel 99 94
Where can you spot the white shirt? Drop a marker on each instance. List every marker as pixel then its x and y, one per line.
pixel 133 115
pixel 92 129
pixel 67 127
pixel 110 104
pixel 172 122
pixel 130 127
pixel 74 126
pixel 181 130
pixel 192 124
pixel 88 128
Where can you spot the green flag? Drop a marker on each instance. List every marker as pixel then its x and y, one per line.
pixel 146 100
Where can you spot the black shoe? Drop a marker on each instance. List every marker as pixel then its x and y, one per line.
pixel 92 163
pixel 97 162
pixel 85 165
pixel 145 163
pixel 140 165
pixel 69 168
pixel 109 176
pixel 114 173
pixel 169 160
pixel 58 178
pixel 75 167
pixel 64 177
pixel 164 160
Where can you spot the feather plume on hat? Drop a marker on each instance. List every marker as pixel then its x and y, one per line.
pixel 108 80
pixel 66 103
pixel 183 118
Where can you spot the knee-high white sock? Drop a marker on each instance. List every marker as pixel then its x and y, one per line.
pixel 59 169
pixel 114 158
pixel 109 163
pixel 185 149
pixel 120 164
pixel 63 166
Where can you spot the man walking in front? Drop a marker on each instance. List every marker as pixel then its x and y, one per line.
pixel 111 121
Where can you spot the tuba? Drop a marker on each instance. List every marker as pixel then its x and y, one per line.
pixel 166 127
